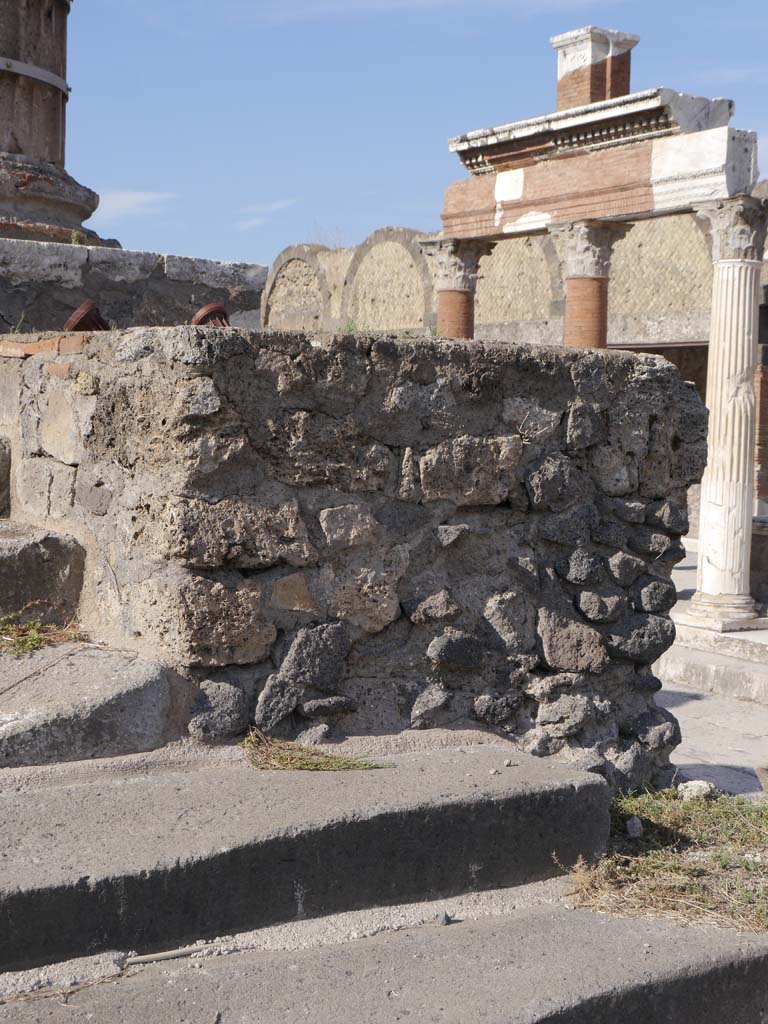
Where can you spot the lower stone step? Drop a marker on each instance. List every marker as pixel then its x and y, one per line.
pixel 149 862
pixel 74 702
pixel 540 965
pixel 39 566
pixel 710 672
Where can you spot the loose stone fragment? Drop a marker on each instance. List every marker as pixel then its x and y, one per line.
pixel 348 526
pixel 455 651
pixel 626 568
pixel 556 484
pixel 470 470
pixel 435 608
pixel 220 712
pixel 582 567
pixel 640 637
pixel 327 706
pixel 585 426
pixel 448 535
pixel 698 789
pixel 291 593
pixel 570 645
pixel 634 827
pixel 601 606
pixel 651 594
pixel 433 699
pixel 513 617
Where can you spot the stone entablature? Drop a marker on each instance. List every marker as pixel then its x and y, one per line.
pixel 671 174
pixel 642 115
pixel 372 534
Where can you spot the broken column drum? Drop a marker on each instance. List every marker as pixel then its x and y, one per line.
pixel 33 86
pixel 38 199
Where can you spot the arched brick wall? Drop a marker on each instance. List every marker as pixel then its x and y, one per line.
pixel 388 284
pixel 660 287
pixel 296 296
pixel 515 283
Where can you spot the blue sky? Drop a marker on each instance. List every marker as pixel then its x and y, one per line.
pixel 233 128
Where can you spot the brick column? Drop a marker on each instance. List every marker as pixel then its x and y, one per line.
pixel 454 265
pixel 587 260
pixel 593 64
pixel 723 600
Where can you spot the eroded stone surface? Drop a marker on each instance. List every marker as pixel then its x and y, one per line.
pixel 378 534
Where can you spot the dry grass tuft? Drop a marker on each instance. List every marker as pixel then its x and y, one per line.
pixel 22 634
pixel 281 755
pixel 697 862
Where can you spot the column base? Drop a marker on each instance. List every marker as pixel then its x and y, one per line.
pixel 722 613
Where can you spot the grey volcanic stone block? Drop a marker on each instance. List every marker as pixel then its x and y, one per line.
pixel 36 565
pixel 175 857
pixel 72 703
pixel 537 965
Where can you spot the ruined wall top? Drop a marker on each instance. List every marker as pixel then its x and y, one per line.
pixel 381 534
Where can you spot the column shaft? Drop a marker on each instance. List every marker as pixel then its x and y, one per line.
pixel 727 491
pixel 456 313
pixel 586 312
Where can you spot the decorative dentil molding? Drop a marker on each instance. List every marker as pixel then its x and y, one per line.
pixel 588 246
pixel 454 262
pixel 737 227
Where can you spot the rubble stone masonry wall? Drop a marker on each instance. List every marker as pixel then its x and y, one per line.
pixel 373 534
pixel 42 283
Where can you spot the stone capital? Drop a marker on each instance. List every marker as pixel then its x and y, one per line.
pixel 454 262
pixel 588 246
pixel 737 227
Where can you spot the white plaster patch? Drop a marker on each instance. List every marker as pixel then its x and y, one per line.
pixel 510 185
pixel 701 166
pixel 509 188
pixel 534 220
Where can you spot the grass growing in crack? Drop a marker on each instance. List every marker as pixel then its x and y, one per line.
pixel 281 755
pixel 21 634
pixel 697 862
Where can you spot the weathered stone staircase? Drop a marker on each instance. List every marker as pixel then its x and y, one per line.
pixel 72 701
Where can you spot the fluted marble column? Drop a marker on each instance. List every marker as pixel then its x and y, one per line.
pixel 454 265
pixel 722 600
pixel 588 246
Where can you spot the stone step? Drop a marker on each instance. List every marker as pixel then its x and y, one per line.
pixel 535 965
pixel 39 566
pixel 749 645
pixel 147 862
pixel 709 672
pixel 73 702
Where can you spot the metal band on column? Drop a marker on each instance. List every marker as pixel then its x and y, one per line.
pixel 17 67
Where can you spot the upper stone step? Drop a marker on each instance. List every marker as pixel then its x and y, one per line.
pixel 141 861
pixel 74 702
pixel 39 566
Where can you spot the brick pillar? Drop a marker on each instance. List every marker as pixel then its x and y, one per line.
pixel 587 259
pixel 723 600
pixel 593 64
pixel 454 264
pixel 761 432
pixel 586 312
